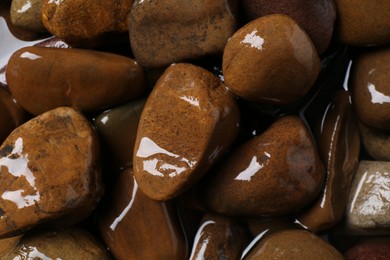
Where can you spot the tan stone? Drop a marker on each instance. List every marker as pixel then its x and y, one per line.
pixel 27 14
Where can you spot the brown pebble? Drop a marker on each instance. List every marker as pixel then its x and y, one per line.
pixel 136 227
pixel 370 88
pixel 363 23
pixel 41 79
pixel 165 32
pixel 375 142
pixel 189 120
pixel 316 17
pixel 371 249
pixel 49 170
pixel 275 173
pixel 270 59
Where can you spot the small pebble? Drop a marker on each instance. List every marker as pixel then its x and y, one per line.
pixel 27 14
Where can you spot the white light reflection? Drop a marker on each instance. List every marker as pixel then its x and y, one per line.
pixel 253 168
pixel 24 8
pixel 200 254
pixel 376 96
pixel 30 56
pixel 191 100
pixel 253 40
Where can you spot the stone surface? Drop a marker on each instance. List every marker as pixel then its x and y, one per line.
pixel 293 244
pixel 338 142
pixel 7 244
pixel 27 14
pixel 368 209
pixel 11 115
pixel 275 173
pixel 270 60
pixel 375 142
pixel 73 243
pixel 371 92
pixel 136 227
pixel 49 170
pixel 189 120
pixel 86 22
pixel 118 128
pixel 165 32
pixel 378 249
pixel 219 238
pixel 83 79
pixel 316 17
pixel 363 23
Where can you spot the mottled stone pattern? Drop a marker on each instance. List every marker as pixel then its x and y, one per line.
pixel 27 14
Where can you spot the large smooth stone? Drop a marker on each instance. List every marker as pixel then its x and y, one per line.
pixel 275 173
pixel 338 142
pixel 363 23
pixel 293 244
pixel 41 79
pixel 375 142
pixel 118 128
pixel 370 87
pixel 11 115
pixel 48 171
pixel 219 238
pixel 270 59
pixel 316 17
pixel 136 227
pixel 368 209
pixel 27 14
pixel 86 22
pixel 73 243
pixel 189 120
pixel 165 32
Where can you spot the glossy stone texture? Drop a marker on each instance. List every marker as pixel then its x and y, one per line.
pixel 49 170
pixel 27 14
pixel 293 244
pixel 41 79
pixel 219 238
pixel 189 120
pixel 165 32
pixel 378 249
pixel 7 244
pixel 338 141
pixel 73 243
pixel 316 17
pixel 271 60
pixel 11 115
pixel 136 227
pixel 363 23
pixel 375 142
pixel 371 89
pixel 85 22
pixel 118 128
pixel 276 173
pixel 368 209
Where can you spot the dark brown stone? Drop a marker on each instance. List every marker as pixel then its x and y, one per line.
pixel 275 173
pixel 378 249
pixel 270 60
pixel 189 120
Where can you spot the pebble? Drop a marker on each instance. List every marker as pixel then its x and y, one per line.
pixel 363 23
pixel 338 143
pixel 219 238
pixel 270 60
pixel 112 79
pixel 293 244
pixel 368 208
pixel 38 184
pixel 375 142
pixel 165 32
pixel 371 249
pixel 316 17
pixel 276 173
pixel 188 122
pixel 86 22
pixel 27 14
pixel 136 227
pixel 371 92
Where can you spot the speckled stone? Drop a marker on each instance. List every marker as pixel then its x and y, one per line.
pixel 165 32
pixel 188 121
pixel 293 244
pixel 275 173
pixel 363 23
pixel 369 85
pixel 375 142
pixel 49 171
pixel 368 209
pixel 27 14
pixel 316 17
pixel 270 60
pixel 41 79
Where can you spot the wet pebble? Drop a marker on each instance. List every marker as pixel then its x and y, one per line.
pixel 375 142
pixel 27 14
